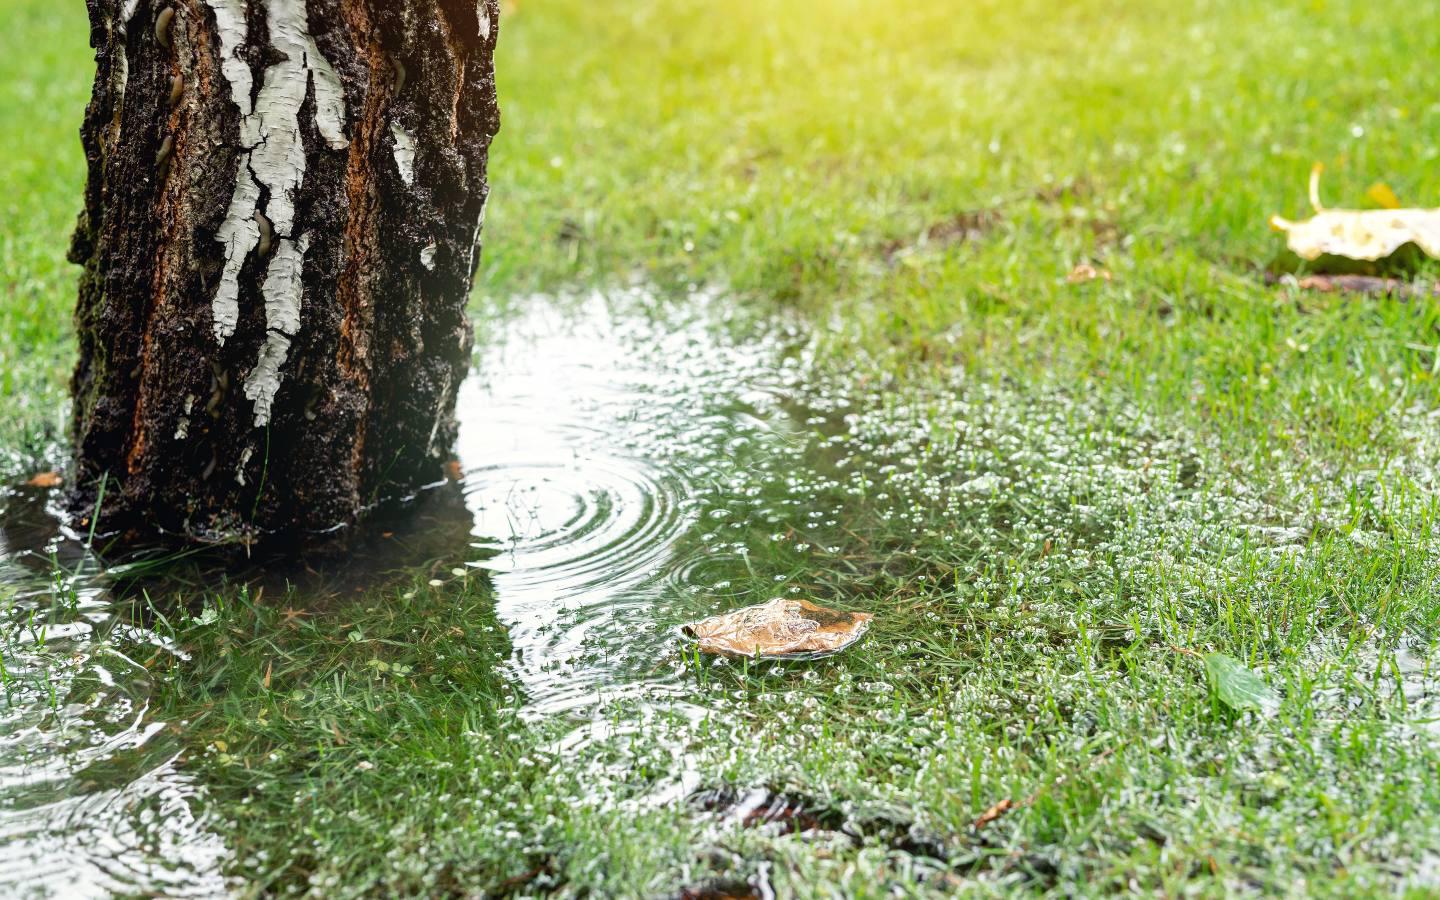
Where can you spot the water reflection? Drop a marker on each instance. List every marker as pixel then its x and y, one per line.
pixel 580 443
pixel 92 802
pixel 589 437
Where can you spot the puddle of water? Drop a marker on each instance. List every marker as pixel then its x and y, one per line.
pixel 617 469
pixel 582 446
pixel 585 435
pixel 92 802
pixel 1400 678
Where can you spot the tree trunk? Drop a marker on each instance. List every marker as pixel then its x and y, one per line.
pixel 281 225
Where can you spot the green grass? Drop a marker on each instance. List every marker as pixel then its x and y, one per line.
pixel 1038 647
pixel 1183 459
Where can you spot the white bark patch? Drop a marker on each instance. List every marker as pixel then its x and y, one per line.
pixel 427 256
pixel 230 22
pixel 475 236
pixel 483 12
pixel 263 382
pixel 283 293
pixel 404 152
pixel 239 234
pixel 182 431
pixel 329 97
pixel 273 159
pixel 282 286
pixel 127 12
pixel 122 78
pixel 435 421
pixel 120 75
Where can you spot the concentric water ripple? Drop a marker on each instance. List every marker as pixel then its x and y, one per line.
pixel 575 525
pixel 579 439
pixel 711 573
pixel 91 803
pixel 587 442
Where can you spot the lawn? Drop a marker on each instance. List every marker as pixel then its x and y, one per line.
pixel 835 242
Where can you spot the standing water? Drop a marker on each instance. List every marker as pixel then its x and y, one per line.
pixel 92 802
pixel 586 437
pixel 618 466
pixel 581 450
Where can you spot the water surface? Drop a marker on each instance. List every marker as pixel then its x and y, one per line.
pixel 92 801
pixel 589 429
pixel 623 467
pixel 586 443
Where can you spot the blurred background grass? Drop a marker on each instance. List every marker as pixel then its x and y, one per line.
pixel 919 176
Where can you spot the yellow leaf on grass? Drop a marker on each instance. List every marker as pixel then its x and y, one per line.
pixel 1360 234
pixel 1381 195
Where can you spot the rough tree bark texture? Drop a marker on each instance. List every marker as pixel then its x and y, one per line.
pixel 280 229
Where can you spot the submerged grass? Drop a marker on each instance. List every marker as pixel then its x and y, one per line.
pixel 1047 492
pixel 1043 569
pixel 372 747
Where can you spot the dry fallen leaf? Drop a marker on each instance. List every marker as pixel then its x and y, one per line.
pixel 46 480
pixel 1360 234
pixel 1086 272
pixel 993 813
pixel 781 628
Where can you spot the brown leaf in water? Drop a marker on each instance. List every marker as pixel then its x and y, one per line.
pixel 1359 234
pixel 783 627
pixel 46 480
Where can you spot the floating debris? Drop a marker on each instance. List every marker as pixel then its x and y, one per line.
pixel 1366 235
pixel 782 628
pixel 994 812
pixel 46 480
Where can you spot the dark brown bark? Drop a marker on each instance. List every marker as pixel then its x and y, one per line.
pixel 172 408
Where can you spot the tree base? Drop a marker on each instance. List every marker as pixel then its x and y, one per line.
pixel 280 229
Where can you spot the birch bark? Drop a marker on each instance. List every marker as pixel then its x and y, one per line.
pixel 280 226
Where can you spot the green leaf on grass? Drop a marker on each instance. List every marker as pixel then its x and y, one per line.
pixel 1238 687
